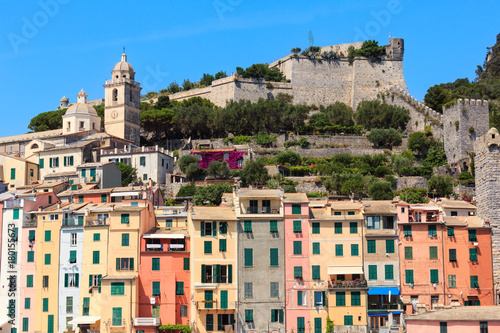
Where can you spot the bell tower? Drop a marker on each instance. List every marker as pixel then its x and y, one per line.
pixel 122 97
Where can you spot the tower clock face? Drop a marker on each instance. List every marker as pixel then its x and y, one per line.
pixel 114 114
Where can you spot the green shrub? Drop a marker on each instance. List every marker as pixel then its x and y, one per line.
pixel 264 139
pixel 381 190
pixel 413 195
pixel 289 157
pixel 375 114
pixel 186 191
pixel 385 137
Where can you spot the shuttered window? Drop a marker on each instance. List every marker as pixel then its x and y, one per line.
pixel 97 237
pixel 389 272
pixel 125 239
pixel 222 245
pixel 472 235
pixel 451 232
pixel 208 247
pixel 316 272
pixel 275 289
pixel 248 289
pixel 155 264
pixel 372 246
pixel 338 227
pixel 389 246
pixel 348 320
pixel 355 298
pixel 433 252
pixel 45 305
pixel 434 276
pixel 273 226
pixel 473 254
pixel 118 288
pixel 408 252
pixel 296 209
pixel 297 227
pixel 407 230
pixel 248 315
pixel 95 257
pixel 47 259
pixel 340 298
pixel 316 249
pixel 339 250
pixel 179 288
pixel 315 228
pixel 432 231
pixel 353 227
pixel 248 257
pixel 125 219
pixel 29 281
pixel 31 256
pixel 47 235
pixel 301 325
pixel 186 264
pixel 354 250
pixel 297 272
pixel 223 228
pixel 409 276
pixel 453 255
pixel 223 299
pixel 117 317
pixel 274 259
pixel 297 247
pixel 247 226
pixel 155 288
pixel 209 297
pixel 372 272
pixel 474 281
pixel 452 281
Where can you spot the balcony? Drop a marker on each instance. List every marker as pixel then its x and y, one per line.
pixel 165 247
pixel 29 221
pixel 12 203
pixel 91 179
pixel 377 307
pixel 67 222
pixel 262 210
pixel 96 222
pixel 147 321
pixel 347 284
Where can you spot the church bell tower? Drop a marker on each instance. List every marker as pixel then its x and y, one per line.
pixel 122 97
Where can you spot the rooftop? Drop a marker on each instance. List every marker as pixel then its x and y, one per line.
pixel 450 204
pixel 466 313
pixel 250 193
pixel 213 213
pixel 379 207
pixel 295 198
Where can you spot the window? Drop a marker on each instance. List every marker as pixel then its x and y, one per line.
pixel 451 232
pixel 372 246
pixel 208 247
pixel 222 245
pixel 434 276
pixel 274 259
pixel 266 206
pixel 389 246
pixel 297 227
pixel 208 228
pixel 443 327
pixel 316 272
pixel 408 252
pixel 483 327
pixel 276 315
pixel 71 280
pixel 248 257
pixel 247 226
pixel 340 298
pixel 47 235
pixel 223 228
pixel 155 264
pixel 54 162
pixel 29 281
pixel 297 272
pixel 31 256
pixel 142 161
pixel 69 304
pixel 453 255
pixel 145 176
pixel 319 298
pixel 353 227
pixel 317 325
pixel 301 297
pixel 31 235
pixel 297 247
pixel 45 281
pixel 25 324
pixel 186 264
pixel 86 306
pixel 389 272
pixel 339 250
pixel 117 317
pixel 301 326
pixel 125 218
pixel 80 198
pixel 296 209
pixel 355 298
pixel 248 315
pixel 337 213
pixel 41 163
pixel 348 320
pixel 209 322
pixel 372 272
pixel 373 222
pixel 433 252
pixel 274 289
pixel 184 311
pixel 354 250
pixel 45 305
pixel 125 239
pixel 27 303
pixel 409 276
pixel 432 231
pixel 452 281
pixel 338 227
pixel 407 230
pixel 155 288
pixel 472 235
pixel 74 239
pixel 124 264
pixel 474 282
pixel 13 173
pixel 473 254
pixel 72 257
pixel 315 228
pixel 179 287
pixel 316 249
pixel 248 289
pixel 273 226
pixel 103 198
pixel 388 222
pixel 47 259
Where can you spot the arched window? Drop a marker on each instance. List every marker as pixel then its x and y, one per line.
pixel 34 146
pixel 115 95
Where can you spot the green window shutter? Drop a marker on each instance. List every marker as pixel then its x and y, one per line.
pixel 223 299
pixel 47 235
pixel 317 325
pixel 66 280
pixel 432 231
pixel 26 324
pixel 355 298
pixel 97 237
pixel 13 173
pixel 248 315
pixel 209 297
pixel 80 198
pixel 179 288
pixel 31 256
pixel 125 218
pixel 64 161
pixel 472 235
pixel 451 232
pixel 247 226
pixel 222 245
pixel 214 228
pixel 80 220
pixel 92 173
pixel 354 250
pixel 389 246
pixel 273 226
pixel 408 252
pixel 315 228
pixel 248 257
pixel 338 227
pixel 353 227
pixel 339 250
pixel 208 247
pixel 297 227
pixel 296 209
pixel 316 272
pixel 118 266
pixel 372 272
pixel 389 272
pixel 297 272
pixel 202 228
pixel 216 273
pixel 91 283
pixel 47 259
pixel 15 214
pixel 473 254
pixel 116 317
pixel 186 264
pixel 50 324
pixel 77 279
pixel 474 281
pixel 407 230
pixel 299 297
pixel 301 324
pixel 125 239
pixel 57 162
pixel 155 264
pixel 340 298
pixel 71 160
pixel 274 259
pixel 29 281
pixel 143 160
pixel 316 249
pixel 45 305
pixel 452 281
pixel 453 255
pixel 42 163
pixel 434 276
pixel 50 164
pixel 72 257
pixel 209 322
pixel 203 275
pixel 31 236
pixel 27 303
pixel 409 275
pixel 348 321
pixel 297 247
pixel 273 316
pixel 104 198
pixel 223 228
pixel 230 274
pixel 131 264
pixel 433 252
pixel 156 288
pixel 372 246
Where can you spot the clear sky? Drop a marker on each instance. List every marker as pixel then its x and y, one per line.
pixel 52 48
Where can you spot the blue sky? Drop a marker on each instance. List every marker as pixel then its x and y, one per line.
pixel 51 48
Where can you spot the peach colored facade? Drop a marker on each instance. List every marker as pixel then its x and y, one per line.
pixel 430 326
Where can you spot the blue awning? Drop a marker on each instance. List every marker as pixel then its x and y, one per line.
pixel 383 291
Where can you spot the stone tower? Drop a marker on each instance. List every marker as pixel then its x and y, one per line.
pixel 463 122
pixel 487 162
pixel 396 49
pixel 122 96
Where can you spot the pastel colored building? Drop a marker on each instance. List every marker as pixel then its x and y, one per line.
pixel 300 297
pixel 105 175
pixel 164 278
pixel 17 172
pixel 84 195
pixel 171 216
pixel 214 274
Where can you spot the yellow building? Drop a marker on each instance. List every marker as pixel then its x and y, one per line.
pixel 336 234
pixel 171 216
pixel 17 172
pixel 214 266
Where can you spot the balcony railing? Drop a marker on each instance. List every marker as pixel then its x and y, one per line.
pixel 147 321
pixel 95 222
pixel 12 203
pixel 348 284
pixel 262 210
pixel 70 222
pixel 372 306
pixel 165 247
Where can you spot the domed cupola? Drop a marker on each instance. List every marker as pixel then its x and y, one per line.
pixel 81 116
pixel 123 69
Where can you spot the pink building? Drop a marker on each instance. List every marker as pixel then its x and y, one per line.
pixel 298 293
